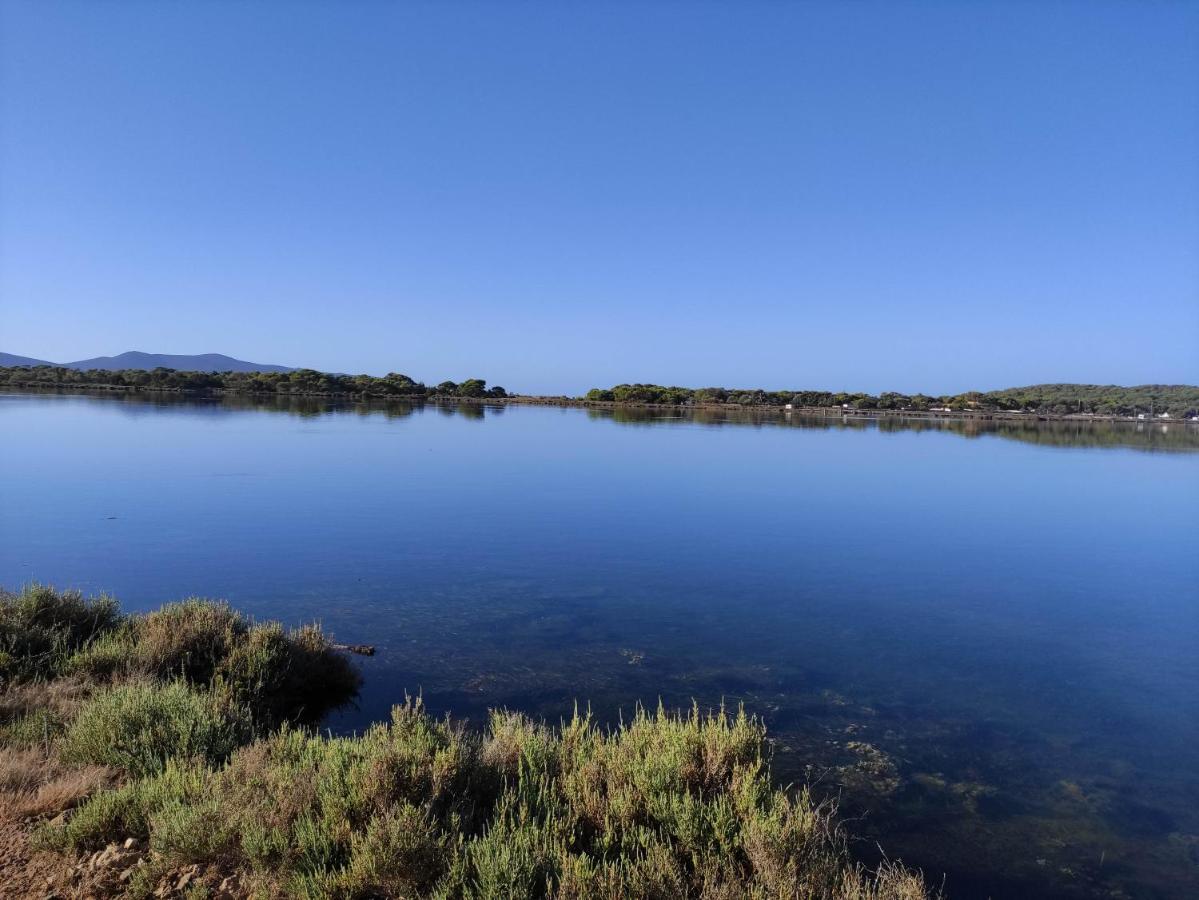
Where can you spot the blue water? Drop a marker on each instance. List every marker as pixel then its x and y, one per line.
pixel 984 641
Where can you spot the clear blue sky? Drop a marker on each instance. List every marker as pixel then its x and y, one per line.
pixel 919 196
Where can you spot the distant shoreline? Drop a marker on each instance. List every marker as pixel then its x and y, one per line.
pixel 830 412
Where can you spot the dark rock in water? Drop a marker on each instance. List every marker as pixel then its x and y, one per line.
pixel 360 649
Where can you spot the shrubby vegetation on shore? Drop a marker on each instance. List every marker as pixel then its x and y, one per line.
pixel 185 730
pixel 304 382
pixel 1179 401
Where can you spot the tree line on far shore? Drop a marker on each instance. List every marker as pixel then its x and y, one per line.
pixel 298 381
pixel 1178 401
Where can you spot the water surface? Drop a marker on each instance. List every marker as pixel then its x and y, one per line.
pixel 982 638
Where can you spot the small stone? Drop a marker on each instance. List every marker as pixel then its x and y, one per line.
pixel 130 843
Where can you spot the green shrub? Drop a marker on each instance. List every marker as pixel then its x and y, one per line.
pixel 127 811
pixel 107 656
pixel 400 853
pixel 665 806
pixel 292 676
pixel 40 628
pixel 184 832
pixel 522 852
pixel 280 676
pixel 138 727
pixel 188 640
pixel 31 729
pixel 286 676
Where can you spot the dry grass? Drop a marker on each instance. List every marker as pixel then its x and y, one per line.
pixel 22 770
pixel 889 882
pixel 34 783
pixel 34 714
pixel 61 697
pixel 66 791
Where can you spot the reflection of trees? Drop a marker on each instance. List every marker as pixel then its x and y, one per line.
pixel 304 407
pixel 1176 436
pixel 1069 433
pixel 645 415
pixel 465 410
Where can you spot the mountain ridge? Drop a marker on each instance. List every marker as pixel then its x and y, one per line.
pixel 137 359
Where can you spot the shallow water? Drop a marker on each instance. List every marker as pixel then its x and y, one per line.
pixel 982 638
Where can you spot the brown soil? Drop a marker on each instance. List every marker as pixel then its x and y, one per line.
pixel 30 874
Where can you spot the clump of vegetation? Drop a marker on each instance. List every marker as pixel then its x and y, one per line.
pixel 192 678
pixel 278 675
pixel 32 712
pixel 664 806
pixel 138 727
pixel 187 730
pixel 40 628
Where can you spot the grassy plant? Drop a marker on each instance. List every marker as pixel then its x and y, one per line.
pixel 188 640
pixel 138 727
pixel 286 676
pixel 35 713
pixel 127 811
pixel 400 853
pixel 280 675
pixel 664 806
pixel 40 628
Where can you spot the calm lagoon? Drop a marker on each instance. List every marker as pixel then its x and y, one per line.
pixel 983 640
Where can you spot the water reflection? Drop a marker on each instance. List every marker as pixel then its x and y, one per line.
pixel 1149 436
pixel 1052 433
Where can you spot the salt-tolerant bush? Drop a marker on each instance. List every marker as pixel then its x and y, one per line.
pixel 280 675
pixel 40 628
pixel 127 810
pixel 664 806
pixel 138 727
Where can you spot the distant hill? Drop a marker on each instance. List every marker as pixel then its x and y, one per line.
pixel 11 359
pixel 135 359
